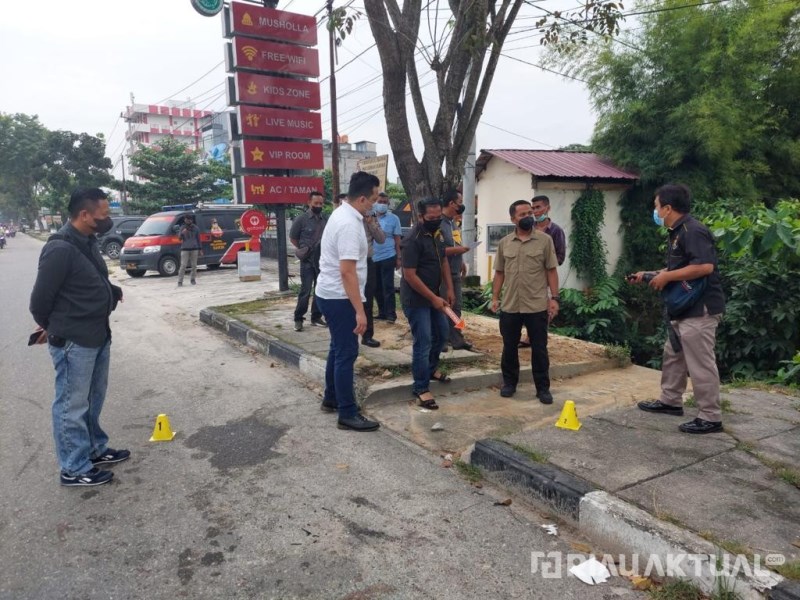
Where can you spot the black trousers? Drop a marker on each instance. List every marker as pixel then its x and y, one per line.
pixel 511 330
pixel 309 271
pixel 369 294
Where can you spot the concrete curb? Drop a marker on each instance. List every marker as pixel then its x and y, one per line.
pixel 379 393
pixel 266 344
pixel 622 528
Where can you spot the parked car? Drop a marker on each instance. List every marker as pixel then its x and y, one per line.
pixel 156 246
pixel 124 227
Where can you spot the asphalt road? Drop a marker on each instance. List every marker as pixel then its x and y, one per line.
pixel 258 496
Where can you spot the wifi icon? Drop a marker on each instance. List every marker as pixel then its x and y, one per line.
pixel 249 52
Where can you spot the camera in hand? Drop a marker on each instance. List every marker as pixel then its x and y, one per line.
pixel 646 277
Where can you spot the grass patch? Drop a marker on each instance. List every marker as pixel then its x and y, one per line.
pixel 789 475
pixel 690 402
pixel 620 354
pixel 531 454
pixel 671 519
pixel 734 547
pixel 790 570
pixel 676 589
pixel 745 447
pixel 726 406
pixel 469 472
pixel 244 308
pixel 781 470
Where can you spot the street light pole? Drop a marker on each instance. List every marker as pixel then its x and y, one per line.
pixel 334 122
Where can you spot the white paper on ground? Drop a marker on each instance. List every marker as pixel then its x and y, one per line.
pixel 550 528
pixel 591 571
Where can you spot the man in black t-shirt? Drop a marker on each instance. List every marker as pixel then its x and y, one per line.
pixel 425 267
pixel 690 256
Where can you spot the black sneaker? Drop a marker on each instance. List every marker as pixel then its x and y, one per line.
pixel 657 406
pixel 111 456
pixel 358 423
pixel 298 326
pixel 93 477
pixel 330 408
pixel 508 390
pixel 545 397
pixel 319 322
pixel 371 342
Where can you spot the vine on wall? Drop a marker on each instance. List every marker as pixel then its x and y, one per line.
pixel 588 252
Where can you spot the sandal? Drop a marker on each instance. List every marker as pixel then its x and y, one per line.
pixel 442 378
pixel 430 403
pixel 524 344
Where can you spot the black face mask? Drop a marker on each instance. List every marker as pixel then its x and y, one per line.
pixel 102 226
pixel 460 210
pixel 432 226
pixel 316 210
pixel 525 224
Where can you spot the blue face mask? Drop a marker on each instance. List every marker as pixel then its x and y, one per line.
pixel 380 209
pixel 656 219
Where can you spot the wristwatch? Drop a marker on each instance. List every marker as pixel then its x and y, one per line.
pixel 556 298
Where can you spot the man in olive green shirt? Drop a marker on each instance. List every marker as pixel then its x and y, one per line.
pixel 525 268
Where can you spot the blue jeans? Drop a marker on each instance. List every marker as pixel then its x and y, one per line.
pixel 81 382
pixel 342 355
pixel 430 330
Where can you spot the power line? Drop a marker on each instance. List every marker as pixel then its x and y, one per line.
pixel 204 75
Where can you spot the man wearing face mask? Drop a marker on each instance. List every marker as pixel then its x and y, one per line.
pixel 453 205
pixel 71 302
pixel 190 249
pixel 690 256
pixel 340 296
pixel 525 269
pixel 541 215
pixel 305 235
pixel 425 269
pixel 387 259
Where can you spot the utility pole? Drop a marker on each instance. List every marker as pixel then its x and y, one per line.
pixel 334 122
pixel 469 233
pixel 124 186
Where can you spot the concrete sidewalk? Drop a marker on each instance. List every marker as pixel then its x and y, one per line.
pixel 630 480
pixel 635 483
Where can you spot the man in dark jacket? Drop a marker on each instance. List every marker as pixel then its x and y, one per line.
pixel 305 235
pixel 691 256
pixel 191 247
pixel 425 272
pixel 71 302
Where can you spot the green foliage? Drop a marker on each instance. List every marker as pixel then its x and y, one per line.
pixel 588 251
pixel 790 374
pixel 759 252
pixel 39 167
pixel 596 314
pixel 705 95
pixel 172 173
pixel 396 192
pixel 327 182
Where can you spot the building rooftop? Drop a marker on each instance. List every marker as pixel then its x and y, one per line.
pixel 557 163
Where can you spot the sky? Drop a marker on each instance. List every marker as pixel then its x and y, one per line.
pixel 75 64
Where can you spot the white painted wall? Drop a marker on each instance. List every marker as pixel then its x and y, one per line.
pixel 502 183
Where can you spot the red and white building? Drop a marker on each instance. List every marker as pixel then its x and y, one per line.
pixel 150 123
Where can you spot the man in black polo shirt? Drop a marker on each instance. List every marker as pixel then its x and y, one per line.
pixel 71 302
pixel 305 235
pixel 425 267
pixel 690 255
